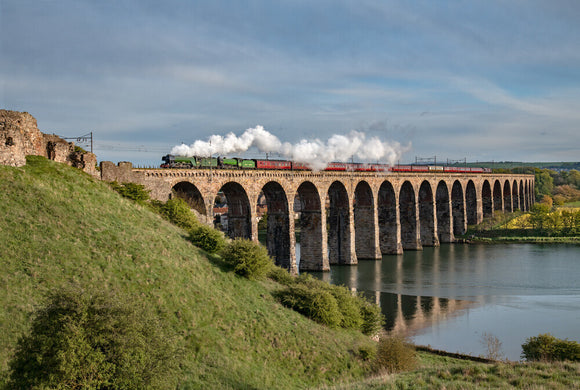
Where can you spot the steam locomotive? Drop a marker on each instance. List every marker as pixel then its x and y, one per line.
pixel 171 161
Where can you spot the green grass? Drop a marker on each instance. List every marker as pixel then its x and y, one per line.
pixel 437 372
pixel 60 226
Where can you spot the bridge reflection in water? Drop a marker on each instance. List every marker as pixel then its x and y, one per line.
pixel 404 314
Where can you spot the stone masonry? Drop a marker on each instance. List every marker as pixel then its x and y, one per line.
pixel 20 137
pixel 344 216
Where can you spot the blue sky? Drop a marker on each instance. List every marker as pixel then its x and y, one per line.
pixel 481 80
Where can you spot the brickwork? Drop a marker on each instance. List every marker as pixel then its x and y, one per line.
pixel 369 214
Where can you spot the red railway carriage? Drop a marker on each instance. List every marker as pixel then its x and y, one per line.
pixel 343 166
pixel 338 166
pixel 300 166
pixel 273 164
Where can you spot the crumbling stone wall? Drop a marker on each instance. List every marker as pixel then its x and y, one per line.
pixel 20 137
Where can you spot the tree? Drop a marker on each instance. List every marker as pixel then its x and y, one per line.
pixel 539 215
pixel 94 341
pixel 544 183
pixel 574 178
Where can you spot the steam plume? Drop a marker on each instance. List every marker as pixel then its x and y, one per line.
pixel 315 153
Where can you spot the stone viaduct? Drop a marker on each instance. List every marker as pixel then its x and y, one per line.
pixel 344 216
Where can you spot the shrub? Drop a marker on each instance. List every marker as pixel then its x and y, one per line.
pixel 248 258
pixel 97 341
pixel 372 316
pixel 349 307
pixel 281 276
pixel 309 297
pixel 395 354
pixel 493 346
pixel 546 347
pixel 315 303
pixel 178 212
pixel 133 191
pixel 207 238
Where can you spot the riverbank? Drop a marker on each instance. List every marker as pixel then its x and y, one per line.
pixel 523 240
pixel 523 236
pixel 439 372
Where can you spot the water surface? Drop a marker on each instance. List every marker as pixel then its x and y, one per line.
pixel 448 297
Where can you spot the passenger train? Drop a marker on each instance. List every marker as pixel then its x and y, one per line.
pixel 171 161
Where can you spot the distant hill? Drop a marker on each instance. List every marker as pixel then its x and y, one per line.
pixel 556 166
pixel 59 225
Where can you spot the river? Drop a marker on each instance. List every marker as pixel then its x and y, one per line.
pixel 449 297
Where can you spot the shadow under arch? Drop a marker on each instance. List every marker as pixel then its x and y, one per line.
pixel 364 223
pixel 507 197
pixel 191 194
pixel 427 227
pixel 389 225
pixel 278 239
pixel 486 199
pixel 408 217
pixel 239 220
pixel 313 245
pixel 497 197
pixel 443 206
pixel 515 196
pixel 471 203
pixel 340 250
pixel 458 208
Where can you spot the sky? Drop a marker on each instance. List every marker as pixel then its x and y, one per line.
pixel 477 80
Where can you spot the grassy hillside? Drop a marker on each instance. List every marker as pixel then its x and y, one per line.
pixel 60 226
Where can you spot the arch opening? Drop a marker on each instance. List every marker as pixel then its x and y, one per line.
pixel 515 197
pixel 389 225
pixel 444 230
pixel 364 223
pixel 236 216
pixel 522 197
pixel 313 246
pixel 340 250
pixel 487 200
pixel 458 209
pixel 427 218
pixel 497 197
pixel 277 221
pixel 408 216
pixel 191 194
pixel 471 204
pixel 507 197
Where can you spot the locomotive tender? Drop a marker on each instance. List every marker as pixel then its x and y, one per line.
pixel 171 161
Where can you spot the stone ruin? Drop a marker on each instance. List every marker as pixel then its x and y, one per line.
pixel 20 137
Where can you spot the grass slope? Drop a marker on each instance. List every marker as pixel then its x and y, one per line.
pixel 445 373
pixel 60 226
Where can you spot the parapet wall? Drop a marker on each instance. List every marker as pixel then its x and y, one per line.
pixel 20 137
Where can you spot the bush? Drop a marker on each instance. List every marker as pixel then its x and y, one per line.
pixel 207 238
pixel 178 212
pixel 97 341
pixel 136 192
pixel 315 303
pixel 349 307
pixel 372 316
pixel 546 347
pixel 247 258
pixel 395 354
pixel 281 276
pixel 309 296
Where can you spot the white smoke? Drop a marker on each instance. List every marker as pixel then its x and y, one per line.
pixel 314 153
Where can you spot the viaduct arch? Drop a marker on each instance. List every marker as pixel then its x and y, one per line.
pixel 342 216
